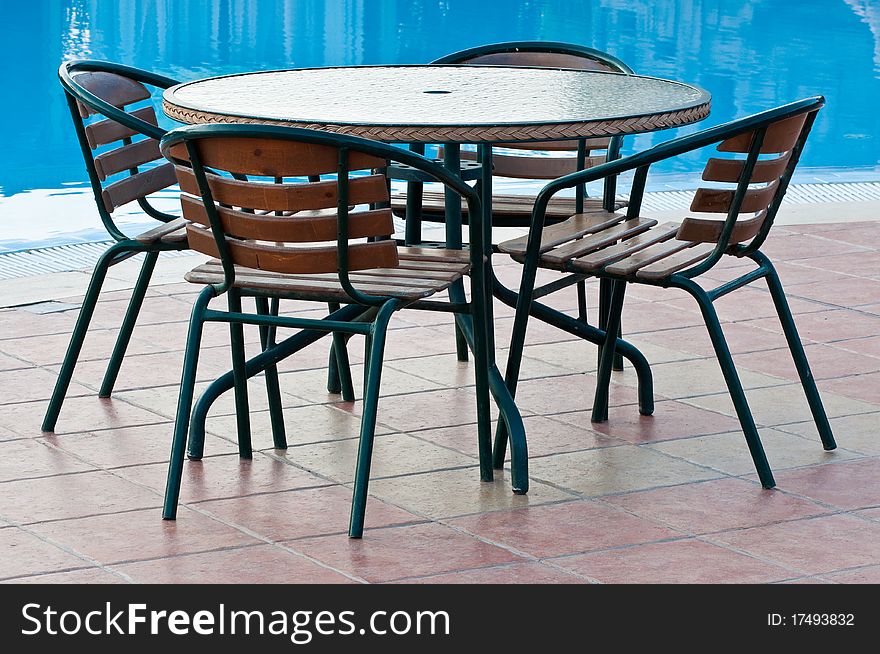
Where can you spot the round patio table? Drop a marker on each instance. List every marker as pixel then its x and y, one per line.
pixel 451 105
pixel 443 104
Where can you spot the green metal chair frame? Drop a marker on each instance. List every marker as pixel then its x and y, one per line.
pixel 186 147
pixel 125 85
pixel 696 247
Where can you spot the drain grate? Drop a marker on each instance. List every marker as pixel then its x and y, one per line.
pixel 796 194
pixel 79 256
pixel 58 258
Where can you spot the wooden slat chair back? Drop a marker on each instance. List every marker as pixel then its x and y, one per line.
pixel 120 152
pixel 273 218
pixel 756 157
pixel 537 166
pixel 759 190
pixel 540 160
pixel 748 190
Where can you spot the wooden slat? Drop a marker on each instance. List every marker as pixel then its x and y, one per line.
pixel 539 167
pixel 440 255
pixel 289 229
pixel 780 137
pixel 108 131
pixel 273 157
pixel 598 143
pixel 285 197
pixel 308 285
pixel 432 272
pixel 381 254
pixel 113 89
pixel 675 262
pixel 432 266
pixel 161 231
pixel 590 144
pixel 177 236
pixel 598 240
pixel 508 206
pixel 373 276
pixel 729 170
pixel 127 157
pixel 423 275
pixel 630 264
pixel 544 59
pixel 535 167
pixel 576 226
pixel 713 200
pixel 706 230
pixel 600 258
pixel 137 186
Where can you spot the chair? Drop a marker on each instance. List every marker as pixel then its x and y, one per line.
pixel 533 161
pixel 636 250
pixel 101 96
pixel 304 248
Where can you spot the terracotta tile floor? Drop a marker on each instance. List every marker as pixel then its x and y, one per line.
pixel 668 498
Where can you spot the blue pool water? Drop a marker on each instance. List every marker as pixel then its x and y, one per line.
pixel 750 54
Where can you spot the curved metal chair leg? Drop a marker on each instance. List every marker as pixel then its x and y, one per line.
pixel 734 385
pixel 798 354
pixel 184 403
pixel 368 419
pixel 515 430
pixel 608 351
pixel 273 387
pixel 240 377
pixel 127 327
pixel 515 352
pixel 78 336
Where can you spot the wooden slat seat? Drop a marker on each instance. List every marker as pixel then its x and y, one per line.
pixel 621 246
pixel 421 272
pixel 507 206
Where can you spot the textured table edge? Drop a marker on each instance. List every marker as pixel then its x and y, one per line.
pixel 466 133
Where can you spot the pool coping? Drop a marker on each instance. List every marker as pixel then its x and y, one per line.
pixel 72 279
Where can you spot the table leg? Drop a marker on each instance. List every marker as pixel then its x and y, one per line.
pixel 482 258
pixel 452 161
pixel 414 196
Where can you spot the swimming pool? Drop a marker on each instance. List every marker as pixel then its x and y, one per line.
pixel 750 54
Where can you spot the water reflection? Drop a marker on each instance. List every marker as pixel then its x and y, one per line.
pixel 749 53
